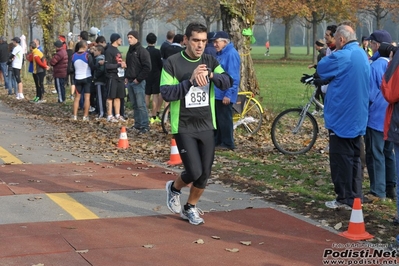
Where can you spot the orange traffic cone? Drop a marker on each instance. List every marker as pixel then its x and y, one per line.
pixel 356 229
pixel 123 143
pixel 174 154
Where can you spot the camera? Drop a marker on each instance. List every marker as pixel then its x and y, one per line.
pixel 386 48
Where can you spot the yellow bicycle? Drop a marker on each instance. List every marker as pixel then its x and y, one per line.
pixel 247 115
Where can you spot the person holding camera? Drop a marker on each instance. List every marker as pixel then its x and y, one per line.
pixel 380 159
pixel 345 114
pixel 389 88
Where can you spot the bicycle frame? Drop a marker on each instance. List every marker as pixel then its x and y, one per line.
pixel 305 109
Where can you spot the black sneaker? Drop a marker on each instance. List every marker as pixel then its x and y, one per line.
pixel 391 193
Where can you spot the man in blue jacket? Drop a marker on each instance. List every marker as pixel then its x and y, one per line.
pixel 345 114
pixel 229 59
pixel 380 158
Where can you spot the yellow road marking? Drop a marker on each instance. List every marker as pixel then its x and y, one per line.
pixel 7 157
pixel 70 205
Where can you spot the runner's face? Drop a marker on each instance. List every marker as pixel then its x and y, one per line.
pixel 196 44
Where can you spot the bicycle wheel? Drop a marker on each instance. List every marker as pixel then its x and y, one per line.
pixel 166 120
pixel 290 136
pixel 250 120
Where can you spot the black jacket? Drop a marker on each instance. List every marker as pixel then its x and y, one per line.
pixel 4 53
pixel 138 63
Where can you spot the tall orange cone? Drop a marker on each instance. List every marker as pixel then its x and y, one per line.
pixel 174 154
pixel 356 229
pixel 123 143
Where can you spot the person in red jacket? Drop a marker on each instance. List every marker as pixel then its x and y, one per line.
pixel 39 67
pixel 59 62
pixel 389 89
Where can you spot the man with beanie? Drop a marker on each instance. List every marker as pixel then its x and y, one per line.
pixel 138 63
pixel 59 62
pixel 115 69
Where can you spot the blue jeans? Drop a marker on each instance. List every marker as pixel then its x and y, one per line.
pixel 4 69
pixel 137 99
pixel 224 134
pixel 12 83
pixel 380 161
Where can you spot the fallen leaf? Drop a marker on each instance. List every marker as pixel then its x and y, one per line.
pixel 157 208
pixel 246 243
pixel 234 250
pixel 199 241
pixel 82 251
pixel 338 226
pixel 215 237
pixel 148 246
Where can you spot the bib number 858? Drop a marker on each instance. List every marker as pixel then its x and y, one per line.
pixel 198 97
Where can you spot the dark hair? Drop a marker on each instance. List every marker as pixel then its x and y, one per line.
pixel 32 44
pixel 100 48
pixel 195 26
pixel 178 38
pixel 332 29
pixel 100 39
pixel 151 38
pixel 84 35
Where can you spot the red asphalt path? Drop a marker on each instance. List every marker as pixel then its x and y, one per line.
pixel 276 238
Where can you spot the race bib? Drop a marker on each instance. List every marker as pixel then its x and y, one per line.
pixel 197 97
pixel 121 72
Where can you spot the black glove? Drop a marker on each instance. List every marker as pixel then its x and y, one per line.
pixel 307 79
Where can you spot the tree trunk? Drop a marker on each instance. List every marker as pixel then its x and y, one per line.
pixel 236 16
pixel 3 10
pixel 47 15
pixel 287 45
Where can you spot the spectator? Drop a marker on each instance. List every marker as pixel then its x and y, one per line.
pixel 229 59
pixel 320 47
pixel 169 40
pixel 175 47
pixel 345 114
pixel 330 40
pixel 17 57
pixel 115 69
pixel 39 65
pixel 138 63
pixel 380 158
pixel 70 51
pixel 13 89
pixel 59 62
pixel 4 54
pixel 153 79
pixel 100 80
pixel 192 118
pixel 365 46
pixel 210 48
pixel 389 89
pixel 82 64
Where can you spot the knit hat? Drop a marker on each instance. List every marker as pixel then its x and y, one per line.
pixel 134 33
pixel 58 44
pixel 114 37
